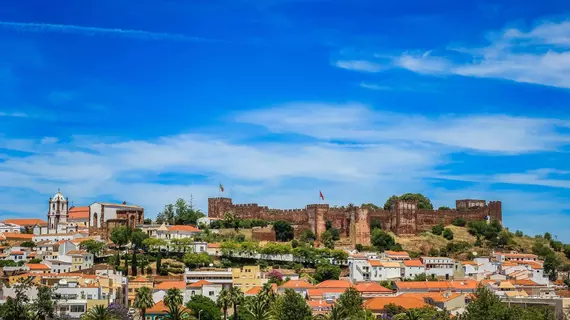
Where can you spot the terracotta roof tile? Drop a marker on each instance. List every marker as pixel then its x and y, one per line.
pixel 165 285
pixel 183 228
pixel 297 284
pixel 17 236
pixel 371 287
pixel 78 213
pixel 199 284
pixel 37 266
pixel 334 284
pixel 413 263
pixel 379 303
pixel 26 222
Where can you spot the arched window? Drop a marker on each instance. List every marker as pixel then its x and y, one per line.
pixel 95 220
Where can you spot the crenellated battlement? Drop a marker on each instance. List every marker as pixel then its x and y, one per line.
pixel 404 217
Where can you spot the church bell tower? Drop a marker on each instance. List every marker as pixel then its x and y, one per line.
pixel 57 213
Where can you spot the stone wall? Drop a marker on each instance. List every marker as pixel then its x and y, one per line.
pixel 263 234
pixel 354 222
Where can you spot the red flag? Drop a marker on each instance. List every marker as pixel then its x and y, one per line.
pixel 321 195
pixel 221 188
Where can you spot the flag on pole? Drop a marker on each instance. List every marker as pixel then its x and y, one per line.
pixel 221 188
pixel 321 195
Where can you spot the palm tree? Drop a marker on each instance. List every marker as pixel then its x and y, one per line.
pixel 236 298
pixel 177 312
pixel 99 312
pixel 258 308
pixel 267 293
pixel 143 301
pixel 224 302
pixel 173 297
pixel 336 313
pixel 412 315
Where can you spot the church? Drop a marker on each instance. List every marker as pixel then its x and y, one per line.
pixel 99 218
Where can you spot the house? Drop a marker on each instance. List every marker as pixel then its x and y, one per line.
pixel 9 227
pixel 370 290
pixel 395 255
pixel 204 288
pixel 413 268
pixel 513 256
pixel 79 216
pixel 176 232
pixel 159 289
pixel 135 285
pixel 80 259
pixel 441 267
pixel 300 286
pixel 38 268
pixel 223 277
pixel 320 306
pixel 17 255
pixel 27 224
pixel 248 277
pixel 384 270
pixel 159 311
pixel 20 237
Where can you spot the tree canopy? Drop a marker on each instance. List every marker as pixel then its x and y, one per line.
pixel 423 201
pixel 180 212
pixel 283 230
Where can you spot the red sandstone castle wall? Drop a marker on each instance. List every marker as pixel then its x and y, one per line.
pixel 404 218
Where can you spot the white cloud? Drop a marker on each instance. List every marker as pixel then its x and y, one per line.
pixel 373 86
pixel 360 65
pixel 539 56
pixel 356 122
pixel 546 177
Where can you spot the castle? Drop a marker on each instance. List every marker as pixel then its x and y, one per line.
pixel 404 218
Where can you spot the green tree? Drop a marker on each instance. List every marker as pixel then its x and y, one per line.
pixel 370 206
pixel 375 224
pixel 44 306
pixel 326 271
pixel 92 246
pixel 547 236
pixel 143 301
pixel 224 302
pixel 336 313
pixel 173 296
pixel 448 234
pixel 19 307
pixel 382 240
pixel 121 236
pixel 147 221
pixel 167 215
pixel 291 306
pixel 551 265
pixel 204 307
pixel 99 312
pixel 350 301
pixel 393 309
pixel 257 308
pixel 28 244
pixel 236 297
pixel 283 230
pixel 193 260
pixel 307 236
pixel 519 234
pixel 327 239
pixel 185 213
pixel 437 229
pixel 177 312
pixel 392 200
pixel 444 208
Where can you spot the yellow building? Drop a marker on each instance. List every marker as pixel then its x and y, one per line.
pixel 247 277
pixel 135 285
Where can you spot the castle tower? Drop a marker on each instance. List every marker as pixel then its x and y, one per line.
pixel 57 211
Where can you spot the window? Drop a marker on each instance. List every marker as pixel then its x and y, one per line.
pixel 211 293
pixel 77 308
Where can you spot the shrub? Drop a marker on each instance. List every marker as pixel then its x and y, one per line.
pixel 460 222
pixel 437 230
pixel 448 234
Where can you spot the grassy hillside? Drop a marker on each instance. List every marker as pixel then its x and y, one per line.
pixel 423 242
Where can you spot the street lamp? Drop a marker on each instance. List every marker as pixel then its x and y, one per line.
pixel 199 314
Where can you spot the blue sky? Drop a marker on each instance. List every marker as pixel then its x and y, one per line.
pixel 148 101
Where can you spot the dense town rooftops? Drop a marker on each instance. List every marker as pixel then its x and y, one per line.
pixel 297 284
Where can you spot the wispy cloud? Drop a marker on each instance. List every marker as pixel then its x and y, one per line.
pixel 13 114
pixel 359 65
pixel 540 55
pixel 34 27
pixel 356 122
